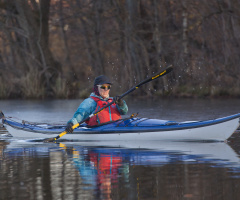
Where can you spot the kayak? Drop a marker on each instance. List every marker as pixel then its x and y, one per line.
pixel 133 129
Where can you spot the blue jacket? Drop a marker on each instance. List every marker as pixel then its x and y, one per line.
pixel 88 106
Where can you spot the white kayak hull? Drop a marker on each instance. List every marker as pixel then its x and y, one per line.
pixel 217 131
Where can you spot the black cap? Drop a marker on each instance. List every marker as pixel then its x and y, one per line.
pixel 102 80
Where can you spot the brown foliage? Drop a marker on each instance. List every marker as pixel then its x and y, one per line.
pixel 69 42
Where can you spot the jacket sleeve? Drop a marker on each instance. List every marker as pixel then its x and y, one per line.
pixel 123 109
pixel 86 108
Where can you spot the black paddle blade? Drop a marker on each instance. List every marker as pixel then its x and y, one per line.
pixel 49 140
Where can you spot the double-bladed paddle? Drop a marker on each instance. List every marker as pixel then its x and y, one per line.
pixel 155 76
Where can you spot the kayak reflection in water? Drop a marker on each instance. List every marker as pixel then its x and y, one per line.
pixel 98 99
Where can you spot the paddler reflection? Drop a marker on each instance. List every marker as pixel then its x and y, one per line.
pixel 107 167
pixel 99 171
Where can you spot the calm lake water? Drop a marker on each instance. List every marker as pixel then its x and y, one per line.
pixel 159 170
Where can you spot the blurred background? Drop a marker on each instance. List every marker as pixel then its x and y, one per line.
pixel 55 48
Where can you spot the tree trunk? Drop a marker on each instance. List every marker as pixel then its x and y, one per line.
pixel 32 32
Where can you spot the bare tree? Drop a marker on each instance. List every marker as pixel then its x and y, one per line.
pixel 126 39
pixel 28 22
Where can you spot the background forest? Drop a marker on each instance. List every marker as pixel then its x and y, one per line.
pixel 55 48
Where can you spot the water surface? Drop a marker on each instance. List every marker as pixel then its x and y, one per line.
pixel 156 170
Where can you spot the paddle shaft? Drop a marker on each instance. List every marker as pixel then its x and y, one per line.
pixel 158 75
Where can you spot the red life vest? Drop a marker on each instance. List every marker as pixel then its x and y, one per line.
pixel 110 113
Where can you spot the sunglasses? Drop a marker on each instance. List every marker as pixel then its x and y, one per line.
pixel 104 87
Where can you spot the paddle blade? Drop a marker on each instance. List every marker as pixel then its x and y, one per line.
pixel 49 140
pixel 54 139
pixel 1 115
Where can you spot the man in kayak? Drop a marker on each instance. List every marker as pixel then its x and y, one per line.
pixel 98 99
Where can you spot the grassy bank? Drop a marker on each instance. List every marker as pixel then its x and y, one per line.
pixel 30 88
